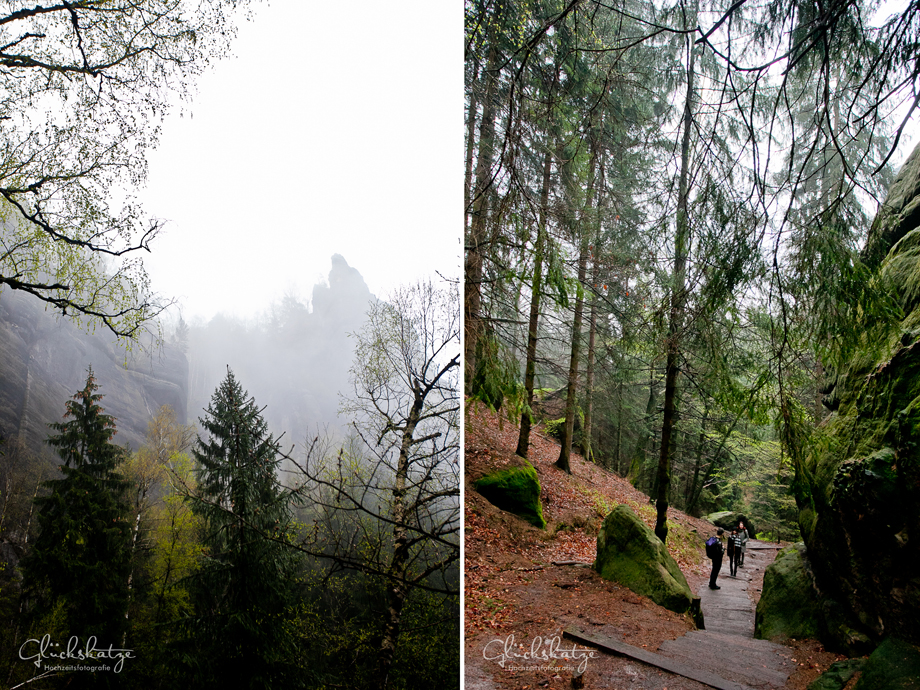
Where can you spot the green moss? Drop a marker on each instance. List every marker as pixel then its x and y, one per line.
pixel 837 675
pixel 517 490
pixel 788 606
pixel 554 427
pixel 628 552
pixel 895 665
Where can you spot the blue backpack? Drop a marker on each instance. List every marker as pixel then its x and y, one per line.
pixel 713 547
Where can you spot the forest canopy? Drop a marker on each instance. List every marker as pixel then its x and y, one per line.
pixel 667 208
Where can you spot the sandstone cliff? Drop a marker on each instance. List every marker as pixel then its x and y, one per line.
pixel 859 488
pixel 43 361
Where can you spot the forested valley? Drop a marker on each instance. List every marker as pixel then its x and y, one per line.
pixel 208 480
pixel 304 537
pixel 690 259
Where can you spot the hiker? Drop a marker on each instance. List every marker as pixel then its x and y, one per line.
pixel 714 550
pixel 734 552
pixel 744 540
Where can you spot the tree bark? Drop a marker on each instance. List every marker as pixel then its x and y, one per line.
pixel 636 474
pixel 618 448
pixel 675 320
pixel 397 591
pixel 587 444
pixel 536 290
pixel 473 270
pixel 470 143
pixel 565 453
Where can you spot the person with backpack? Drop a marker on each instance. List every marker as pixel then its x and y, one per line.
pixel 734 552
pixel 714 551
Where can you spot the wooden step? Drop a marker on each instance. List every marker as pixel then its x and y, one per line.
pixel 614 646
pixel 734 646
pixel 753 671
pixel 730 669
pixel 733 639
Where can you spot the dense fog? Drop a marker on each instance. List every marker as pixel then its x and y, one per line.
pixel 294 359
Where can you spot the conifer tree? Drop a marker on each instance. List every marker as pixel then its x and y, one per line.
pixel 243 587
pixel 81 557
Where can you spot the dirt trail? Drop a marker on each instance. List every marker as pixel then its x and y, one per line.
pixel 519 601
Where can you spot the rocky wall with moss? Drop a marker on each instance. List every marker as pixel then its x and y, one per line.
pixel 858 489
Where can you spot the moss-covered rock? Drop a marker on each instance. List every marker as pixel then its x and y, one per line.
pixel 858 486
pixel 515 489
pixel 729 520
pixel 629 553
pixel 837 675
pixel 788 606
pixel 894 665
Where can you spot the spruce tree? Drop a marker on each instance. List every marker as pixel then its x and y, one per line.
pixel 243 588
pixel 81 557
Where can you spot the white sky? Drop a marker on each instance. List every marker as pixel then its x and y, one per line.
pixel 335 128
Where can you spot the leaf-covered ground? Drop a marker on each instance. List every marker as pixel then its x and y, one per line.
pixel 523 585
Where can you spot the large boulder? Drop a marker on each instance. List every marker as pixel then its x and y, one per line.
pixel 729 520
pixel 788 606
pixel 515 489
pixel 628 552
pixel 858 487
pixel 895 665
pixel 837 675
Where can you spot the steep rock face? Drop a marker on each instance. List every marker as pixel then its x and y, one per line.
pixel 44 359
pixel 295 365
pixel 628 552
pixel 859 491
pixel 788 606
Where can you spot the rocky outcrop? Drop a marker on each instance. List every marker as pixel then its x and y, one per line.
pixel 44 361
pixel 788 607
pixel 628 552
pixel 858 490
pixel 837 675
pixel 729 520
pixel 895 665
pixel 515 489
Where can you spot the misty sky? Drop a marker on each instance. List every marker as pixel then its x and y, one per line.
pixel 334 129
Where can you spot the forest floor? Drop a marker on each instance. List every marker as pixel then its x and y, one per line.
pixel 518 600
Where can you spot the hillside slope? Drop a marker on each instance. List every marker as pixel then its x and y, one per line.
pixel 516 596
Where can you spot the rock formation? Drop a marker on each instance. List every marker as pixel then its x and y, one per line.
pixel 788 607
pixel 628 552
pixel 515 489
pixel 729 520
pixel 858 490
pixel 44 360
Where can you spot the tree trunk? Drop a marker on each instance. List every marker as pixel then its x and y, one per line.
pixel 636 472
pixel 586 443
pixel 691 492
pixel 470 144
pixel 618 448
pixel 678 300
pixel 397 590
pixel 587 449
pixel 473 270
pixel 569 430
pixel 536 289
